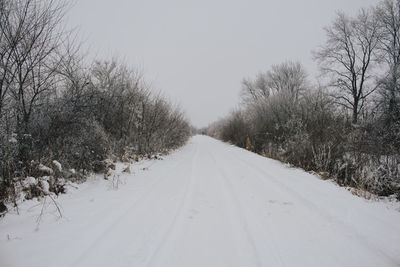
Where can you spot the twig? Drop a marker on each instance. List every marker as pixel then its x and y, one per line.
pixel 40 215
pixel 43 207
pixel 57 206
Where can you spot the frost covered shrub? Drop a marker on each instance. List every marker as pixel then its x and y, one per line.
pixel 85 145
pixel 176 130
pixel 69 134
pixel 9 162
pixel 381 176
pixel 65 110
pixel 312 134
pixel 31 188
pixel 235 129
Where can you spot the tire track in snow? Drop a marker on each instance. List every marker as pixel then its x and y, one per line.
pixel 231 192
pixel 283 187
pixel 178 216
pixel 266 235
pixel 142 198
pixel 312 207
pixel 237 209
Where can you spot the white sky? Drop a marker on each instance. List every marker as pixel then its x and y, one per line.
pixel 197 52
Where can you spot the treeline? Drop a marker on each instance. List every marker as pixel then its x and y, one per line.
pixel 61 118
pixel 347 129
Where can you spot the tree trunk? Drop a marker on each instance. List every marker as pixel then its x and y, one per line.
pixel 355 112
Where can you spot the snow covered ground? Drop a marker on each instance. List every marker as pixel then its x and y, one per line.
pixel 207 204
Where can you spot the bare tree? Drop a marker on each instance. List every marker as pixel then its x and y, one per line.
pixel 287 78
pixel 31 34
pixel 6 51
pixel 254 90
pixel 347 57
pixel 388 15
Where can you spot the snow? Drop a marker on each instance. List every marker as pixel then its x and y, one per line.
pixel 207 204
pixel 45 186
pixel 30 181
pixel 45 169
pixel 13 140
pixel 57 165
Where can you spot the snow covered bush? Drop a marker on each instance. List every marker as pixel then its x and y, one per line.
pixel 235 129
pixel 66 114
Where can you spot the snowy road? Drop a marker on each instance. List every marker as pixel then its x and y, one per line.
pixel 208 204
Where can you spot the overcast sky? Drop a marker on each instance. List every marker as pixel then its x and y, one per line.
pixel 197 52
